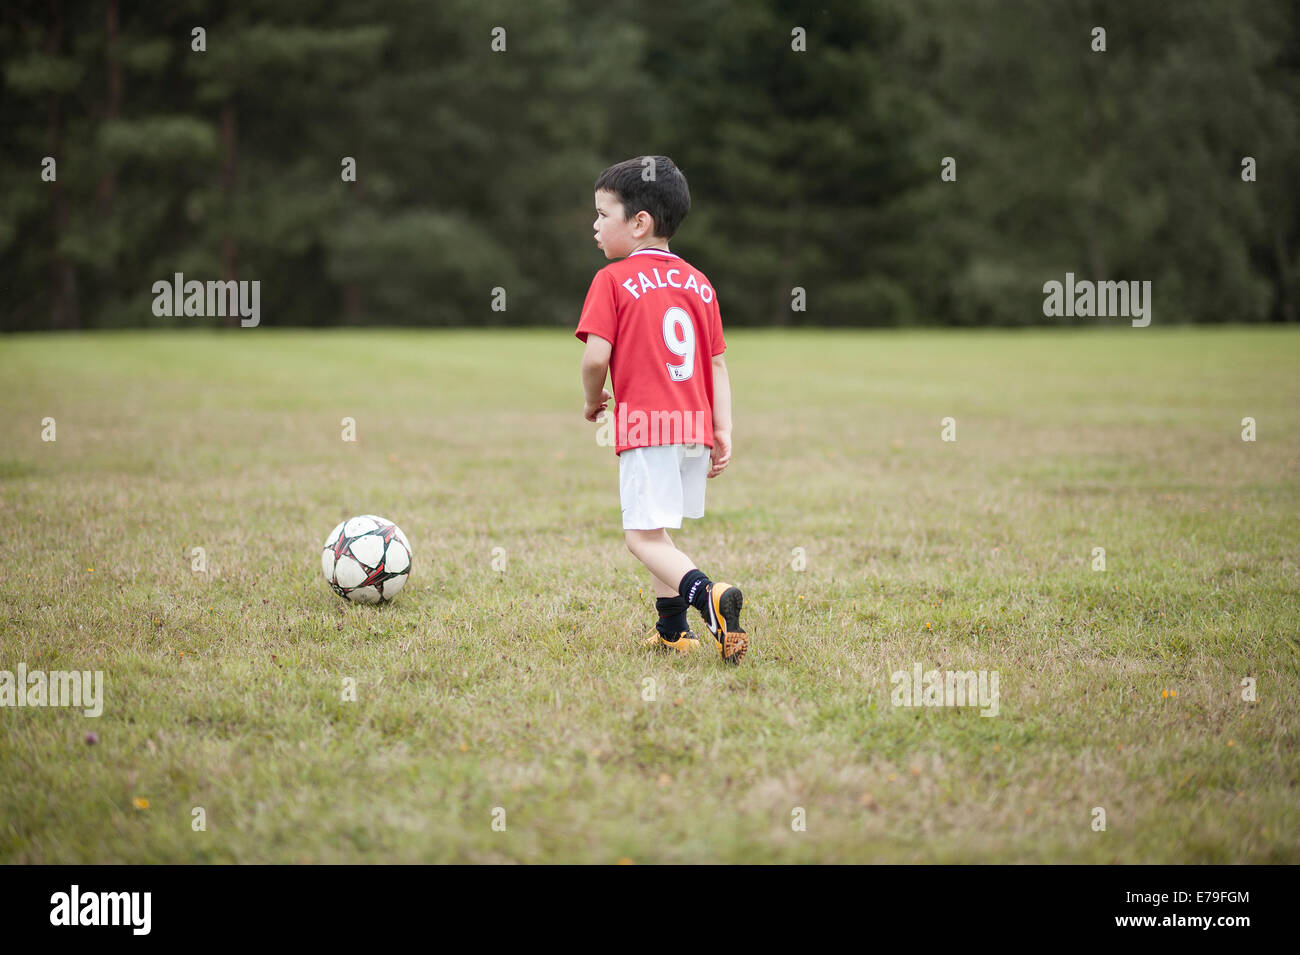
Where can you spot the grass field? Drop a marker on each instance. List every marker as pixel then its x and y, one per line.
pixel 523 688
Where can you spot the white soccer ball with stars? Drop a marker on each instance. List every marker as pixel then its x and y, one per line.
pixel 366 559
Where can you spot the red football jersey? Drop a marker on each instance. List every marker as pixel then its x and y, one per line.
pixel 661 317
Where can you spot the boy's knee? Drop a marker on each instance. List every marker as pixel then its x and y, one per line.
pixel 635 538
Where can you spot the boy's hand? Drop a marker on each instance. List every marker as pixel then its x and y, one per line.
pixel 720 456
pixel 591 410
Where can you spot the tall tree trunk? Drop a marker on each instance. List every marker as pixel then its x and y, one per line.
pixel 352 302
pixel 782 313
pixel 1094 130
pixel 113 108
pixel 229 246
pixel 353 299
pixel 63 278
pixel 1286 276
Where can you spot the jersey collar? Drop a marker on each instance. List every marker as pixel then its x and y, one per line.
pixel 671 255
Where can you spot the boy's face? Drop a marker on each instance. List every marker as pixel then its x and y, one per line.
pixel 617 236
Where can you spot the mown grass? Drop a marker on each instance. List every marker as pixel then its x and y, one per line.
pixel 522 689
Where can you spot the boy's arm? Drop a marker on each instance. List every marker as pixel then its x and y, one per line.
pixel 721 455
pixel 595 366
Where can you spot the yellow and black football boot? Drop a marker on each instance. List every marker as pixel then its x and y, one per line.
pixel 685 642
pixel 723 621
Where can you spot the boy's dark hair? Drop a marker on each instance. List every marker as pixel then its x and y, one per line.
pixel 665 196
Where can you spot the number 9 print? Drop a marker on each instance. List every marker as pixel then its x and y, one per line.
pixel 683 346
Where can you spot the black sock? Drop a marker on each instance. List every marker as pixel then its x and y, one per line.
pixel 672 617
pixel 694 589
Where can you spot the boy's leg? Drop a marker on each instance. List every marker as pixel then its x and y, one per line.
pixel 667 588
pixel 719 605
pixel 662 589
pixel 667 565
pixel 672 631
pixel 672 611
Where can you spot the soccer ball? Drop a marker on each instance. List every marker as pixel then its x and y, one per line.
pixel 366 559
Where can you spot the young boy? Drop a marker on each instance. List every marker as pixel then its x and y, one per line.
pixel 652 321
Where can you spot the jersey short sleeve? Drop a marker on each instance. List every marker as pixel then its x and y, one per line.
pixel 717 343
pixel 599 316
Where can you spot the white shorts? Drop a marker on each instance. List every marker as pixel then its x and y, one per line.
pixel 659 486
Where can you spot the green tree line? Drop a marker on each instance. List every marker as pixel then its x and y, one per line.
pixel 897 162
